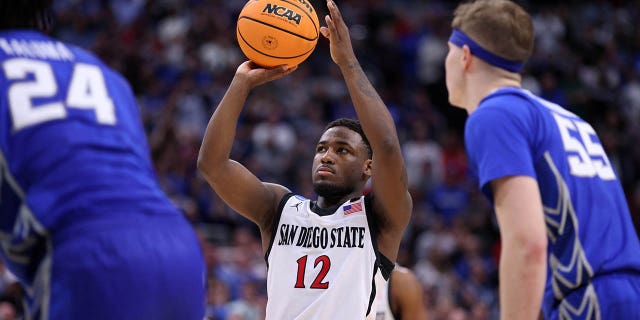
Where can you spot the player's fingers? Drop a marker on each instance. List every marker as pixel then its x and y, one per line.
pixel 330 25
pixel 325 32
pixel 251 65
pixel 335 12
pixel 245 67
pixel 282 71
pixel 290 69
pixel 278 70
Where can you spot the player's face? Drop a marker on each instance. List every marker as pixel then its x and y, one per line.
pixel 339 163
pixel 453 71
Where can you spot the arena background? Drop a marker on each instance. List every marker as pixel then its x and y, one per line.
pixel 179 56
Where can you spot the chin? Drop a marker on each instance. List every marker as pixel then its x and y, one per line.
pixel 454 102
pixel 323 187
pixel 326 189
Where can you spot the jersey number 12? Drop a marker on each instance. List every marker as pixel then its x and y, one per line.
pixel 318 282
pixel 87 90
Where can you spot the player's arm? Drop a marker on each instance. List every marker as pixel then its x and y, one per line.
pixel 407 298
pixel 389 178
pixel 235 184
pixel 523 259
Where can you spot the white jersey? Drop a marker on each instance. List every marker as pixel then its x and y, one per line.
pixel 321 267
pixel 382 302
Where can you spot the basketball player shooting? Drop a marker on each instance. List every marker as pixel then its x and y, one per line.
pixel 321 255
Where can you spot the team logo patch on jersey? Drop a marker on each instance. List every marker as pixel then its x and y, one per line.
pixel 297 205
pixel 352 208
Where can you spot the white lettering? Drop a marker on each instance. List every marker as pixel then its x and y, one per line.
pixel 36 49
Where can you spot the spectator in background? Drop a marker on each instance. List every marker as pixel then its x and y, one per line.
pixel 9 310
pixel 423 157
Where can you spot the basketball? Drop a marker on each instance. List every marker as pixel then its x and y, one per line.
pixel 277 32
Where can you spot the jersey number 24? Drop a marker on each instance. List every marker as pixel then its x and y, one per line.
pixel 87 90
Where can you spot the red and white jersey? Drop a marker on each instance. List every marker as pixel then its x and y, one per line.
pixel 321 266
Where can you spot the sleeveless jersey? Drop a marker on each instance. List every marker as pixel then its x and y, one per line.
pixel 591 237
pixel 321 267
pixel 382 302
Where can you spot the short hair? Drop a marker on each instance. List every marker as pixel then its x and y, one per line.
pixel 353 125
pixel 26 14
pixel 500 26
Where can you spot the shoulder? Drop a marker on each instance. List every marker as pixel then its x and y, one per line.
pixel 85 56
pixel 503 104
pixel 506 110
pixel 280 195
pixel 404 282
pixel 406 293
pixel 403 276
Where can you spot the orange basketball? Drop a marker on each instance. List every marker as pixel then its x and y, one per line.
pixel 277 32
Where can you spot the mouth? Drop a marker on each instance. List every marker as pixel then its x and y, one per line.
pixel 324 170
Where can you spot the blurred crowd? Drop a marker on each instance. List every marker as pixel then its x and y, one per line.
pixel 180 55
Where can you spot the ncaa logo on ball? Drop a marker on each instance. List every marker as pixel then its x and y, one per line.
pixel 282 12
pixel 277 32
pixel 269 42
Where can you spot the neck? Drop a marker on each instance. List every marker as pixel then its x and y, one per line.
pixel 334 201
pixel 481 84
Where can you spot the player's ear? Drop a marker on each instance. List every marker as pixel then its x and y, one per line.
pixel 366 167
pixel 466 57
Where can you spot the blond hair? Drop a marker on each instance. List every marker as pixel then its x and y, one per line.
pixel 499 26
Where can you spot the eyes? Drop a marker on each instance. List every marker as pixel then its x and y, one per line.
pixel 338 150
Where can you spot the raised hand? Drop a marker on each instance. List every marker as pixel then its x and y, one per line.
pixel 255 75
pixel 338 34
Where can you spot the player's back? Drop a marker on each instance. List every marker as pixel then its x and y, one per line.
pixel 74 162
pixel 591 235
pixel 72 137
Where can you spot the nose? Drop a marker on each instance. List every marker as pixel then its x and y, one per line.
pixel 327 158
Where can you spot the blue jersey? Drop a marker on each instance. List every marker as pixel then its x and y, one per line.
pixel 73 154
pixel 590 232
